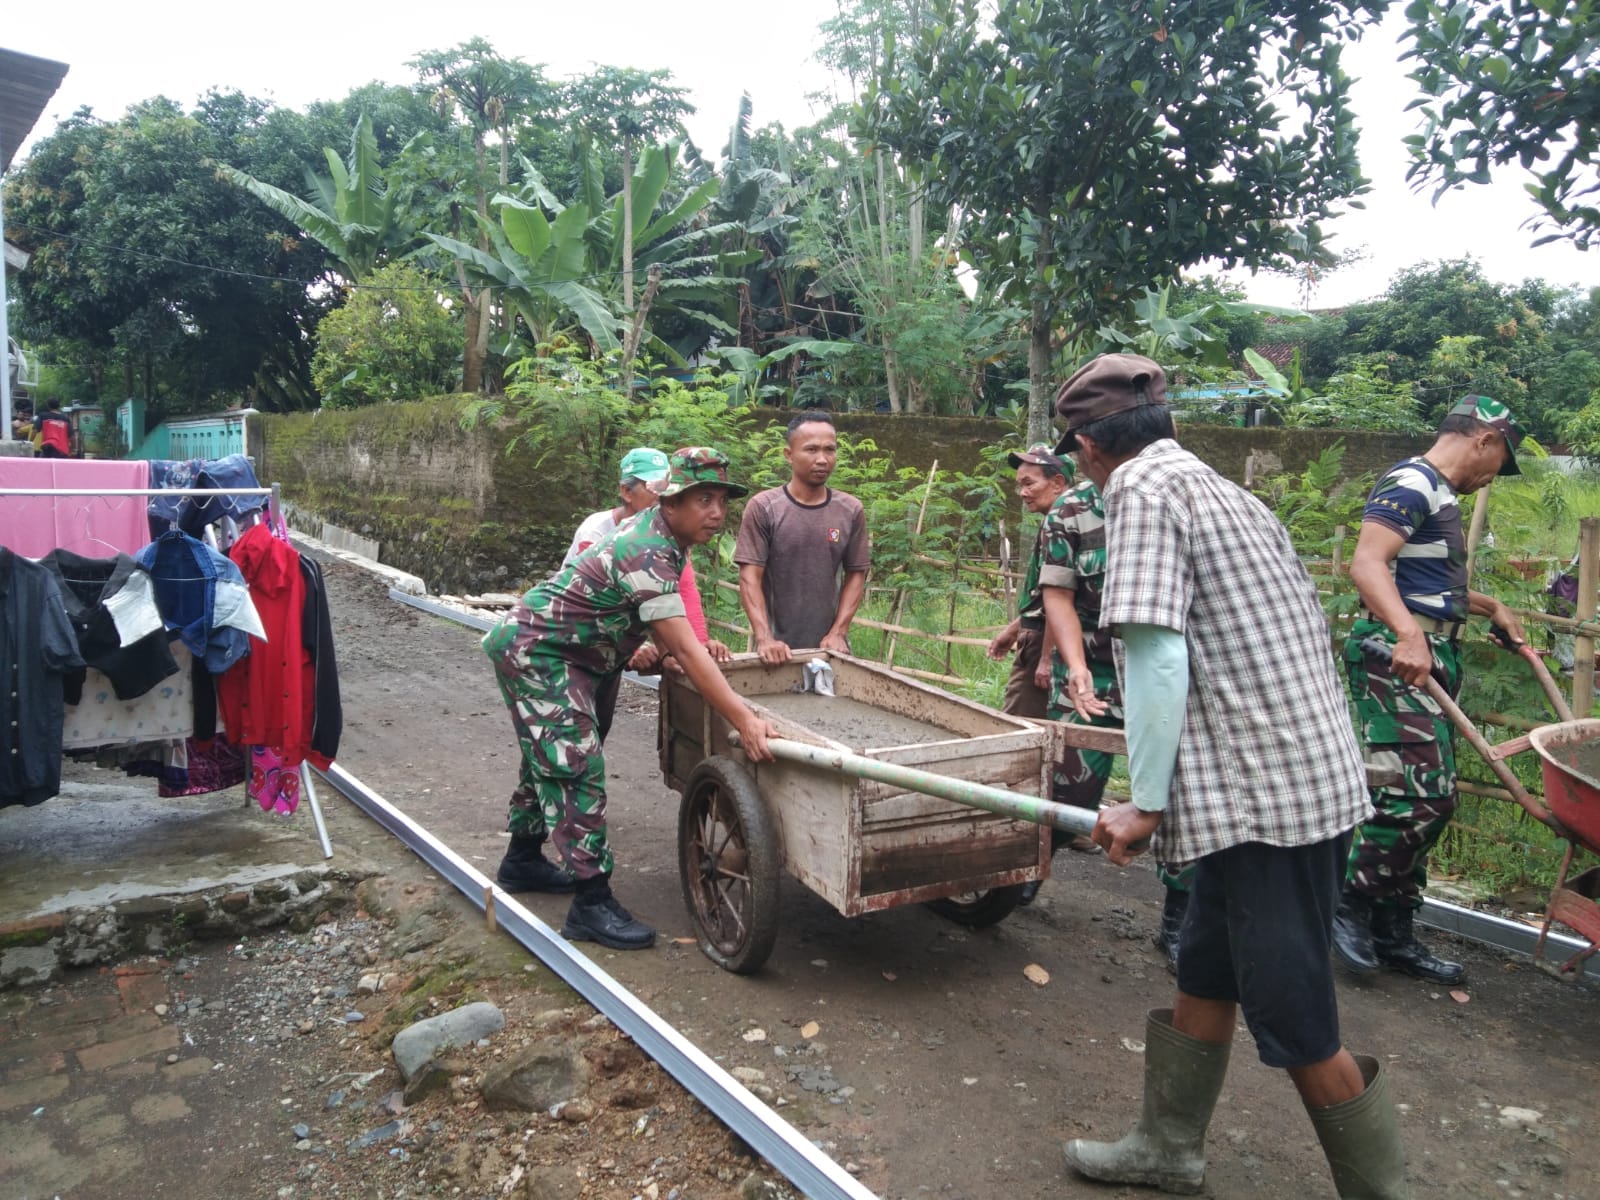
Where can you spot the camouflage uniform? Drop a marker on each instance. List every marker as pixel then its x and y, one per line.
pixel 1073 556
pixel 559 645
pixel 1402 728
pixel 1024 697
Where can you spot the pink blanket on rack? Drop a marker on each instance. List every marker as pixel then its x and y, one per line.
pixel 94 526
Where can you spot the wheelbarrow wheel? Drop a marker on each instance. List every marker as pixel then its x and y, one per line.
pixel 979 910
pixel 729 859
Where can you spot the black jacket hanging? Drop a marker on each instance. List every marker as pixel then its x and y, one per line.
pixel 316 628
pixel 36 648
pixel 88 585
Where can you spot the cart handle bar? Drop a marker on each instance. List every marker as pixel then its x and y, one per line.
pixel 1000 801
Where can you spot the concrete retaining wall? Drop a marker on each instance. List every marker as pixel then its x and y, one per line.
pixel 450 505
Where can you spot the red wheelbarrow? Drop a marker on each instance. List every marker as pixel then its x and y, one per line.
pixel 1569 755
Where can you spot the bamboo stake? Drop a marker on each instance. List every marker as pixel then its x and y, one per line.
pixel 1336 562
pixel 955 590
pixel 1006 593
pixel 1588 580
pixel 1480 517
pixel 898 610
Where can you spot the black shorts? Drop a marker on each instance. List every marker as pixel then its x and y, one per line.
pixel 1257 933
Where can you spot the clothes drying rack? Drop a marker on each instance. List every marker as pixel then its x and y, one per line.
pixel 275 506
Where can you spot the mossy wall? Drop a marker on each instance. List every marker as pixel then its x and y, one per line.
pixel 450 505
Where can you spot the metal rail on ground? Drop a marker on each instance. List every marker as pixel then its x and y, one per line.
pixel 789 1151
pixel 1466 922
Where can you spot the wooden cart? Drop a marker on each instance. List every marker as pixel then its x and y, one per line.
pixel 859 844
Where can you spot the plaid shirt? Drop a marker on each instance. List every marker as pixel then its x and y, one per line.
pixel 1268 753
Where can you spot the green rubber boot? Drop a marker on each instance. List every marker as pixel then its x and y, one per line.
pixel 1361 1138
pixel 1166 1149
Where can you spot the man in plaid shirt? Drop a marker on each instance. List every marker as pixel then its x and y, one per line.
pixel 1242 759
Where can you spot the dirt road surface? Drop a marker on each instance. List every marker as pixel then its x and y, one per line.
pixel 938 1066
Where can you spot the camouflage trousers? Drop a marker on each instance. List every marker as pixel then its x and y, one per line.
pixel 561 780
pixel 1079 779
pixel 1401 729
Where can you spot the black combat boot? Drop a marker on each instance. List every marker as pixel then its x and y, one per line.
pixel 1173 910
pixel 1352 931
pixel 1396 945
pixel 596 916
pixel 525 868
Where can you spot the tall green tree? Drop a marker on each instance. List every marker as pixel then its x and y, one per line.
pixel 155 274
pixel 629 108
pixel 1515 81
pixel 492 95
pixel 1098 147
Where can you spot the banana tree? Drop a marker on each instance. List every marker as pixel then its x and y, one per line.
pixel 539 267
pixel 697 298
pixel 352 212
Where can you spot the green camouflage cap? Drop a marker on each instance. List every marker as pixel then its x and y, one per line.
pixel 700 466
pixel 646 464
pixel 1040 454
pixel 1492 412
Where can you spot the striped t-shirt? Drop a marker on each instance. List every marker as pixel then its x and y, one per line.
pixel 1430 572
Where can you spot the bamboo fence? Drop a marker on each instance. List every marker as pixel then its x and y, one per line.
pixel 997 582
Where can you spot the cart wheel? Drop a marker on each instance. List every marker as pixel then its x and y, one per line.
pixel 979 910
pixel 729 860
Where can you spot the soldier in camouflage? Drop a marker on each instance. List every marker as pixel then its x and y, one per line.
pixel 1042 478
pixel 553 654
pixel 1410 566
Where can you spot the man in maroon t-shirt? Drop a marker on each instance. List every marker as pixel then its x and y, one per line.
pixel 793 543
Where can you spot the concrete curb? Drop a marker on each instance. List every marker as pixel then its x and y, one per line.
pixel 400 580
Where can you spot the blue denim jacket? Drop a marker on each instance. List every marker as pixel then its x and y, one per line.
pixel 203 598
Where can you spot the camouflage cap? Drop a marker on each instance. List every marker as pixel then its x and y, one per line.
pixel 1041 455
pixel 1492 412
pixel 700 466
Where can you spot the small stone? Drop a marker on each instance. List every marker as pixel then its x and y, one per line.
pixel 576 1112
pixel 303 1145
pixel 334 1100
pixel 354 1017
pixel 171 1058
pixel 160 1010
pixel 368 985
pixel 853 1168
pixel 749 1075
pixel 301 1131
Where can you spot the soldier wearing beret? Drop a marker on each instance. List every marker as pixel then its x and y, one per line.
pixel 1410 566
pixel 1241 759
pixel 554 654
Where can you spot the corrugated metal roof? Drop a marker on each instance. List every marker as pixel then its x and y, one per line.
pixel 26 85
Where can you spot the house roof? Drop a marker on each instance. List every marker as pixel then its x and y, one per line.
pixel 26 85
pixel 1279 354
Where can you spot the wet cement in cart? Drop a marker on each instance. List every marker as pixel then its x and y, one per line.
pixel 851 722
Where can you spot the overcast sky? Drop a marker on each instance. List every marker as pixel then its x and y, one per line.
pixel 295 51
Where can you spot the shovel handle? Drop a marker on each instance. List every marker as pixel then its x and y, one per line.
pixel 1541 672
